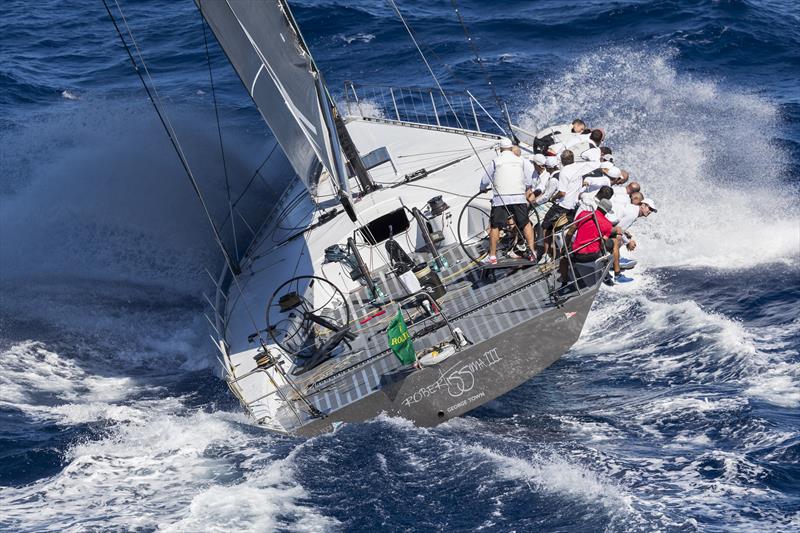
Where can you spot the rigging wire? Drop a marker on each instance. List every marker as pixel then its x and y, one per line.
pixel 485 73
pixel 219 134
pixel 171 134
pixel 449 104
pixel 246 188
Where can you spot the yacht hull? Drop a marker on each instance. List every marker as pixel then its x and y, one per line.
pixel 480 373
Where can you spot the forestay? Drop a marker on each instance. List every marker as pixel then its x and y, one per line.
pixel 270 56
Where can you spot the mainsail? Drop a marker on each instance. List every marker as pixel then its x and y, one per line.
pixel 265 47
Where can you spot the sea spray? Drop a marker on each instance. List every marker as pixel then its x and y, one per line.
pixel 707 154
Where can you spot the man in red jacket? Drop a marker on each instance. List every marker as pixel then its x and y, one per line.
pixel 591 238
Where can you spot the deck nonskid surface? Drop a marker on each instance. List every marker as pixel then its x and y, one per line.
pixel 480 305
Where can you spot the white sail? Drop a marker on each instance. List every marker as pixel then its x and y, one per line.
pixel 265 47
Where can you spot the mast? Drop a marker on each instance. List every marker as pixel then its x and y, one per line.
pixel 268 52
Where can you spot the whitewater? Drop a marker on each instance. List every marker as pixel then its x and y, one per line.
pixel 675 411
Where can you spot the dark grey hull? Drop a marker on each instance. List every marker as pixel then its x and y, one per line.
pixel 474 376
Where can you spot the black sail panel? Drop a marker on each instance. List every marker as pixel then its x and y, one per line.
pixel 272 61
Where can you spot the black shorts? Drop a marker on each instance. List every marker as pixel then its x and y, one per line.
pixel 579 257
pixel 586 258
pixel 554 213
pixel 498 218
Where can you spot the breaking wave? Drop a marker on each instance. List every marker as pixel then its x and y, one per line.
pixel 708 156
pixel 168 467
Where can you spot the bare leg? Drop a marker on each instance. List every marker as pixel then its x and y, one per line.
pixel 563 270
pixel 528 231
pixel 494 236
pixel 546 245
pixel 616 255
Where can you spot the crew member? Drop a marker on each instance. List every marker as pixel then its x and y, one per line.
pixel 593 153
pixel 570 183
pixel 563 133
pixel 639 207
pixel 592 239
pixel 510 177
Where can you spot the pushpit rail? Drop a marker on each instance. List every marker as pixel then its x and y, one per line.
pixel 420 106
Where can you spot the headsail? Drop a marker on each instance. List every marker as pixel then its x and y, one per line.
pixel 262 42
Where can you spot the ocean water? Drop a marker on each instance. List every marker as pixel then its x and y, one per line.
pixel 677 410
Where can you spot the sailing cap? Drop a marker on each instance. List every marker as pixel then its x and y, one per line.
pixel 605 205
pixel 540 159
pixel 506 143
pixel 651 204
pixel 608 157
pixel 551 162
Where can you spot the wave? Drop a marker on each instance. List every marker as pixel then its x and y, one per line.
pixel 172 469
pixel 658 341
pixel 707 153
pixel 95 192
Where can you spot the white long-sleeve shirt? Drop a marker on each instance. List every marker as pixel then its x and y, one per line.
pixel 570 182
pixel 559 129
pixel 548 185
pixel 618 203
pixel 592 153
pixel 627 216
pixel 589 191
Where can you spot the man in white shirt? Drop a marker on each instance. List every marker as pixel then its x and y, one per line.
pixel 630 213
pixel 564 133
pixel 570 183
pixel 593 153
pixel 621 198
pixel 605 174
pixel 547 185
pixel 511 178
pixel 544 191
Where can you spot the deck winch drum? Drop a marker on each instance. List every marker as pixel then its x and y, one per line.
pixel 429 279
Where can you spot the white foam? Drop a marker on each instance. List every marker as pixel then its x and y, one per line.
pixel 557 475
pixel 173 469
pixel 364 108
pixel 39 382
pixel 724 350
pixel 704 151
pixel 779 384
pixel 359 37
pixel 69 95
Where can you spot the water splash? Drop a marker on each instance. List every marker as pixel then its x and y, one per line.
pixel 707 154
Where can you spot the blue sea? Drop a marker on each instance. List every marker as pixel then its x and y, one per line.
pixel 677 410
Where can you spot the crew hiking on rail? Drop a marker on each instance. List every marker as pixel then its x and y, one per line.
pixel 570 175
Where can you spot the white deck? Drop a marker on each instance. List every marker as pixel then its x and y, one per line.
pixel 268 263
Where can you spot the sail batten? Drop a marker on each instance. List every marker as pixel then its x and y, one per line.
pixel 271 59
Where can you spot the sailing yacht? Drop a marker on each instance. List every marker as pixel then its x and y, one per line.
pixel 363 291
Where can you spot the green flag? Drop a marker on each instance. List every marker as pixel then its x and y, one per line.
pixel 400 340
